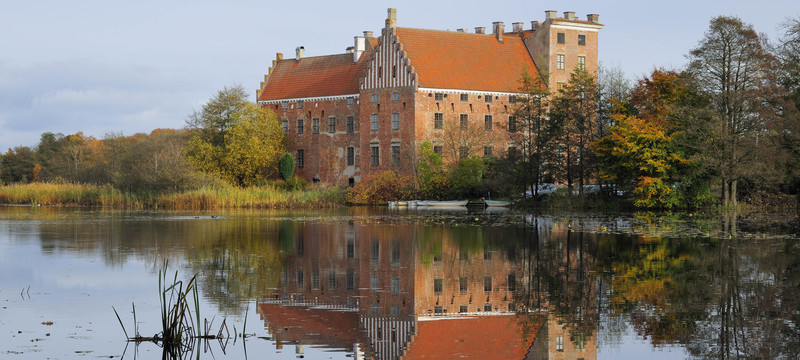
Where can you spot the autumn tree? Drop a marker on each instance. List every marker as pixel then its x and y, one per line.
pixel 788 132
pixel 733 68
pixel 575 111
pixel 235 139
pixel 533 132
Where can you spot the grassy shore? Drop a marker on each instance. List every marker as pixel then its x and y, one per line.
pixel 266 197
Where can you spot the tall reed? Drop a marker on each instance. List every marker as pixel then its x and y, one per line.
pixel 206 198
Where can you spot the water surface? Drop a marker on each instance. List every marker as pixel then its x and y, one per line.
pixel 384 284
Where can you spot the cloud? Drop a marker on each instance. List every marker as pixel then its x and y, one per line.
pixel 81 95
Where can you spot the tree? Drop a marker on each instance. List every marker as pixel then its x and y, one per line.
pixel 575 112
pixel 734 70
pixel 533 132
pixel 286 166
pixel 467 177
pixel 431 177
pixel 788 132
pixel 235 139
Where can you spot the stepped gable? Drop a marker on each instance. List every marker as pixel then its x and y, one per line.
pixel 465 61
pixel 316 76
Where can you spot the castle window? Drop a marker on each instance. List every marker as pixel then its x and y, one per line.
pixel 561 85
pixel 512 123
pixel 582 62
pixel 300 127
pixel 560 38
pixel 487 284
pixel 438 121
pixel 285 125
pixel 512 282
pixel 581 39
pixel 487 307
pixel 284 105
pixel 375 155
pixel 350 100
pixel 395 286
pixel 487 98
pixel 396 154
pixel 331 124
pixel 464 97
pixel 351 280
pixel 437 149
pixel 462 284
pixel 560 343
pixel 560 61
pixel 395 121
pixel 487 151
pixel 315 126
pixel 374 98
pixel 300 279
pixel 331 279
pixel 395 96
pixel 438 96
pixel 315 279
pixel 351 157
pixel 464 121
pixel 373 122
pixel 512 99
pixel 350 124
pixel 463 309
pixel 437 285
pixel 463 152
pixel 299 160
pixel 300 104
pixel 487 122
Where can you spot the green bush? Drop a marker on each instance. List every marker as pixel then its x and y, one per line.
pixel 286 166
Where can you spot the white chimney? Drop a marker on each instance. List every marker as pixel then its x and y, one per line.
pixel 300 53
pixel 360 44
pixel 517 27
pixel 480 29
pixel 498 28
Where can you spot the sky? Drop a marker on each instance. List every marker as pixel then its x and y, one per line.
pixel 107 67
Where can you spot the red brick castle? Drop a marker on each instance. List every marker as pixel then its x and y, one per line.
pixel 369 109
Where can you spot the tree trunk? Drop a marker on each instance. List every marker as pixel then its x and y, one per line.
pixel 733 193
pixel 724 192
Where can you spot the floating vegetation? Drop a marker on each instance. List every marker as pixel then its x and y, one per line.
pixel 180 318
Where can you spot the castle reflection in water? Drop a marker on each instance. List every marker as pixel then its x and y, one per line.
pixel 424 291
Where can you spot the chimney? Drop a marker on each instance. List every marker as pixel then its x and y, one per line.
pixel 534 25
pixel 350 50
pixel 497 30
pixel 480 30
pixel 368 34
pixel 359 45
pixel 550 14
pixel 391 18
pixel 517 26
pixel 462 30
pixel 300 53
pixel 569 15
pixel 595 18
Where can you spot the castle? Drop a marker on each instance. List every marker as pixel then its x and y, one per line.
pixel 368 110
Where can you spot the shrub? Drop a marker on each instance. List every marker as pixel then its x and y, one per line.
pixel 286 166
pixel 380 188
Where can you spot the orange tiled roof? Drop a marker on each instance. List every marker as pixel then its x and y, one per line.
pixel 322 327
pixel 490 337
pixel 317 76
pixel 455 60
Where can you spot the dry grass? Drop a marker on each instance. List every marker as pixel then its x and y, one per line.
pixel 263 197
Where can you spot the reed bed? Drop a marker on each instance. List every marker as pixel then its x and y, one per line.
pixel 207 198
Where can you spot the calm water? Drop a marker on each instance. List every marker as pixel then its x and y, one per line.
pixel 375 283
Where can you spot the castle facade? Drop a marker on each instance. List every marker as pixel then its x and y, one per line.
pixel 368 110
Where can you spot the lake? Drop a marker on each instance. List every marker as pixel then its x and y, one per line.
pixel 385 283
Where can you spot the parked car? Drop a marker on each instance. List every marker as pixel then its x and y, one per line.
pixel 543 189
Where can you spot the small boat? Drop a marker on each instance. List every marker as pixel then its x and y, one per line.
pixel 402 203
pixel 392 204
pixel 448 203
pixel 496 203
